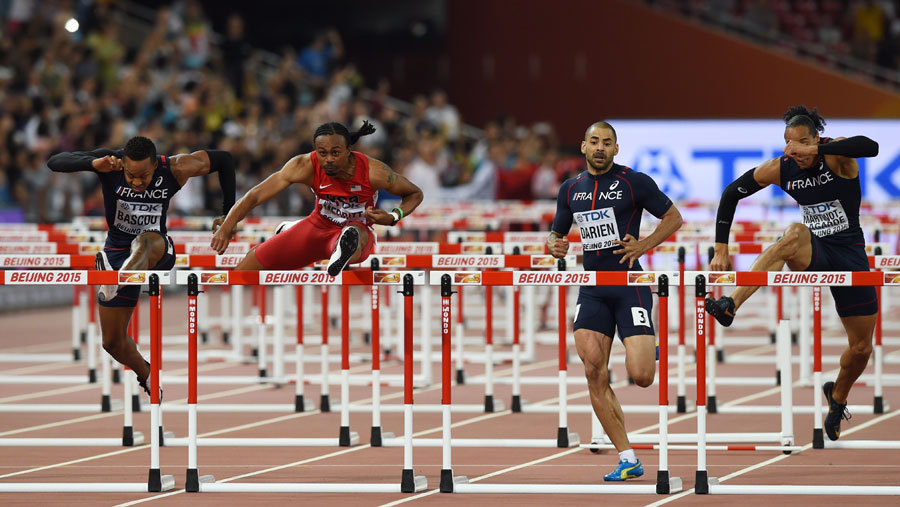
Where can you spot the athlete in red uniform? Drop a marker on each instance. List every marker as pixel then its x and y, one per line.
pixel 346 184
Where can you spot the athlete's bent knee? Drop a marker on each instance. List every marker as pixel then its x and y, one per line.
pixel 596 376
pixel 643 378
pixel 861 350
pixel 790 242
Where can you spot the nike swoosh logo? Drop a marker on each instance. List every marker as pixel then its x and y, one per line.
pixel 325 186
pixel 729 313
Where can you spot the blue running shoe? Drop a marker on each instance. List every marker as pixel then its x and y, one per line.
pixel 625 470
pixel 836 412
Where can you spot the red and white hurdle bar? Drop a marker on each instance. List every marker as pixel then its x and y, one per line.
pixel 710 485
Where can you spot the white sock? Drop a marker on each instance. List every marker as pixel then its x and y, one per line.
pixel 628 455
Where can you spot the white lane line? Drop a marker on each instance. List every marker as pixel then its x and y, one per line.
pixel 39 368
pixel 52 392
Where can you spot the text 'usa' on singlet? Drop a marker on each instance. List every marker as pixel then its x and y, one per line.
pixel 343 201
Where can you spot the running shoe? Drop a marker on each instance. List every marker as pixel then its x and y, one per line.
pixel 346 247
pixel 625 470
pixel 722 309
pixel 145 384
pixel 101 263
pixel 836 412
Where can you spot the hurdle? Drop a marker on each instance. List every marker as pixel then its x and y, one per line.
pixel 459 484
pixel 409 482
pixel 710 485
pixel 156 482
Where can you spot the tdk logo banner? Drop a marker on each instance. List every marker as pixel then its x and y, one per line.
pixel 695 160
pixel 591 216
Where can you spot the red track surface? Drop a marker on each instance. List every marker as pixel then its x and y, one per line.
pixel 48 331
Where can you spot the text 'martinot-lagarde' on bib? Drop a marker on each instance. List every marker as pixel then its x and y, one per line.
pixel 825 218
pixel 598 228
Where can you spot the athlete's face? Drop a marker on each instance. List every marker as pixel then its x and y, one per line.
pixel 801 135
pixel 599 148
pixel 139 174
pixel 333 153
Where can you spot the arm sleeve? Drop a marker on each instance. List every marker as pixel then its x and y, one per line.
pixel 744 186
pixel 852 147
pixel 562 222
pixel 221 161
pixel 649 196
pixel 74 161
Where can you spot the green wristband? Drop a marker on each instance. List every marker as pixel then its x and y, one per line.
pixel 400 212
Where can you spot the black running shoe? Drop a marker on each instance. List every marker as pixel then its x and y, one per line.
pixel 346 247
pixel 722 309
pixel 836 412
pixel 145 384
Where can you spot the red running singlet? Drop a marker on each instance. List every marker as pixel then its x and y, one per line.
pixel 338 204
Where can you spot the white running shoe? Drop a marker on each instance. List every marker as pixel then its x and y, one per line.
pixel 346 247
pixel 106 292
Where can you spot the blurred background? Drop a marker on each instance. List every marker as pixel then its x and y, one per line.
pixel 473 100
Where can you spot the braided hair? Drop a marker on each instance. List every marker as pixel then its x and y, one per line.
pixel 335 128
pixel 801 115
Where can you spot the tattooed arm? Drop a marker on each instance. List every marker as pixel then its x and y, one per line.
pixel 383 177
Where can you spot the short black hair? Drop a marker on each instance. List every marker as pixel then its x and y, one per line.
pixel 801 115
pixel 335 128
pixel 140 148
pixel 603 125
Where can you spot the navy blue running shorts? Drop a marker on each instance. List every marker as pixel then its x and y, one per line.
pixel 834 256
pixel 128 295
pixel 603 309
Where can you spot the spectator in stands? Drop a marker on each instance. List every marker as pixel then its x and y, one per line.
pixel 235 51
pixel 317 58
pixel 443 115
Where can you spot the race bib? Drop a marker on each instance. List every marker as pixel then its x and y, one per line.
pixel 598 228
pixel 825 218
pixel 137 217
pixel 340 209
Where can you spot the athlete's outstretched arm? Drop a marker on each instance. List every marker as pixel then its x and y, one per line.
pixel 852 147
pixel 383 177
pixel 101 160
pixel 297 170
pixel 840 153
pixel 752 181
pixel 203 162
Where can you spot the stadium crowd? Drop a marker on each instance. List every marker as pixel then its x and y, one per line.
pixel 187 87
